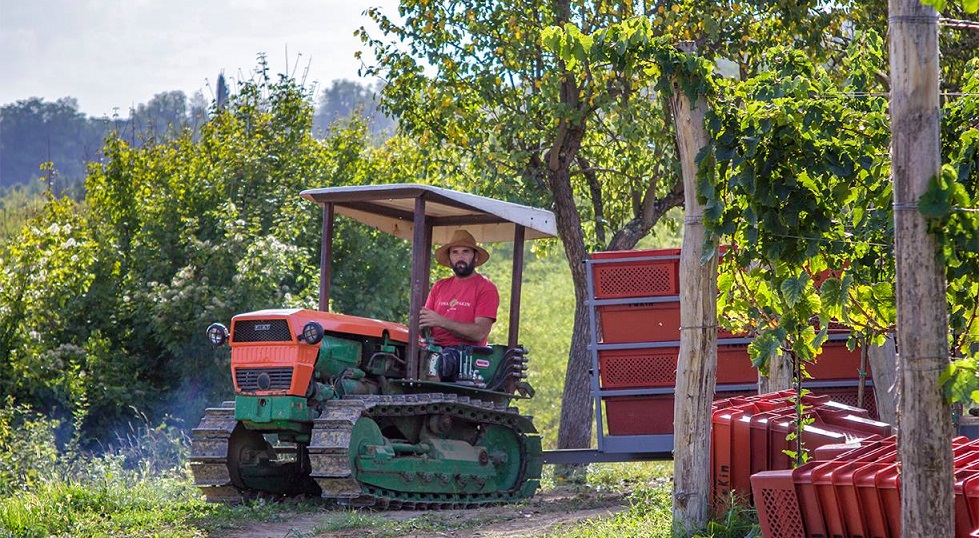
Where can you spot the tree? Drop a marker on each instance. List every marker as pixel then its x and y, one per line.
pixel 803 190
pixel 33 132
pixel 345 99
pixel 221 100
pixel 801 134
pixel 696 371
pixel 925 418
pixel 103 303
pixel 548 121
pixel 165 115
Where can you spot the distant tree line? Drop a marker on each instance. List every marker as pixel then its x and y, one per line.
pixel 34 131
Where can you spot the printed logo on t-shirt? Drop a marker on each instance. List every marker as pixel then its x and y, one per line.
pixel 457 303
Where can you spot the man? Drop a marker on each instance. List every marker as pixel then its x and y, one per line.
pixel 461 309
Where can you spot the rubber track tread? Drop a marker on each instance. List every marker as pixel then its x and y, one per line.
pixel 333 431
pixel 209 455
pixel 330 457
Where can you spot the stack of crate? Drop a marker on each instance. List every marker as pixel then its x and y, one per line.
pixel 855 490
pixel 634 298
pixel 637 305
pixel 750 434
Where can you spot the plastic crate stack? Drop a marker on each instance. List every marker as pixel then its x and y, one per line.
pixel 634 303
pixel 634 300
pixel 855 491
pixel 750 435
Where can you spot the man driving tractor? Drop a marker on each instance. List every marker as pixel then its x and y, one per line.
pixel 461 309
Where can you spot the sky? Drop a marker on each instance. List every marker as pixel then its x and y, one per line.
pixel 113 55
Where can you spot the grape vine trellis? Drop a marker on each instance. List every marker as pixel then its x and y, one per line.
pixel 797 180
pixel 800 186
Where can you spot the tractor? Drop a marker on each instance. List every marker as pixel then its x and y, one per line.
pixel 366 412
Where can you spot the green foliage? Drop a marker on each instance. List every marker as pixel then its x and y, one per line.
pixel 803 194
pixel 17 205
pixel 28 453
pixel 103 303
pixel 970 6
pixel 502 102
pixel 951 205
pixel 107 501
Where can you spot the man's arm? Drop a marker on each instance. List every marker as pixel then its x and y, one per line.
pixel 477 331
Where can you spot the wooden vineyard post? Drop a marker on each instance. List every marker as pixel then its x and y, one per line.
pixel 696 374
pixel 924 419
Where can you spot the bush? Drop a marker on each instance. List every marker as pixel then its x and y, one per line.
pixel 28 451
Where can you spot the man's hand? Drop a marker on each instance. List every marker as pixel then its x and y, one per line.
pixel 428 319
pixel 477 331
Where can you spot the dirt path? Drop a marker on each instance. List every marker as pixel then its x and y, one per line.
pixel 545 513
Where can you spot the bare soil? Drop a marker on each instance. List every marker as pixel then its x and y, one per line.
pixel 544 513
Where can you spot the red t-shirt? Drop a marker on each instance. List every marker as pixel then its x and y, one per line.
pixel 462 299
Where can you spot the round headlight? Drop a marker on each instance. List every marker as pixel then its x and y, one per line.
pixel 312 333
pixel 217 334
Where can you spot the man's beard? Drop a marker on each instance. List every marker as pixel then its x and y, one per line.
pixel 463 269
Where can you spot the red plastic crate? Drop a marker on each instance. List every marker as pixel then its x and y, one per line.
pixel 721 450
pixel 864 479
pixel 847 498
pixel 848 396
pixel 822 479
pixel 639 322
pixel 632 368
pixel 778 507
pixel 970 490
pixel 824 402
pixel 812 438
pixel 836 362
pixel 836 450
pixel 851 425
pixel 888 482
pixel 761 437
pixel 963 520
pixel 639 415
pixel 658 274
pixel 734 365
pixel 812 514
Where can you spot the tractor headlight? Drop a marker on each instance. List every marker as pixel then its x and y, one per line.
pixel 312 333
pixel 217 334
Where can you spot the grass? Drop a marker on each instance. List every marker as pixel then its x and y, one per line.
pixel 102 498
pixel 160 507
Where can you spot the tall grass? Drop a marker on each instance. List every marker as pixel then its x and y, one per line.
pixel 139 483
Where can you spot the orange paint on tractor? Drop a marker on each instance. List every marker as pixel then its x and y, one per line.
pixel 297 355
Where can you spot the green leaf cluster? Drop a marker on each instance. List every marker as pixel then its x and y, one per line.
pixel 802 195
pixel 951 205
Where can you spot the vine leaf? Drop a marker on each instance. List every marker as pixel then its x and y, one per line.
pixel 794 288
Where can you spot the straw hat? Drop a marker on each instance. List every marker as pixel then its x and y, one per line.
pixel 461 238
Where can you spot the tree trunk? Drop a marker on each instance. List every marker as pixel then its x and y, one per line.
pixel 781 371
pixel 924 419
pixel 576 403
pixel 883 365
pixel 696 374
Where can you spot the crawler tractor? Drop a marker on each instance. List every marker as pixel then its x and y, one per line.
pixel 368 412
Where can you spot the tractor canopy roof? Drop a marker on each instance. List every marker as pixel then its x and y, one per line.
pixel 391 209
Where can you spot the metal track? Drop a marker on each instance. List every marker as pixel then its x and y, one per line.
pixel 209 454
pixel 329 453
